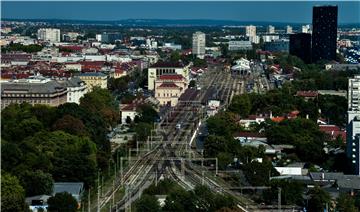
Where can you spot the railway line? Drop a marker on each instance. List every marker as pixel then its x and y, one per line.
pixel 169 156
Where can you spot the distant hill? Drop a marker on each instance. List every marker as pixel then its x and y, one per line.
pixel 170 22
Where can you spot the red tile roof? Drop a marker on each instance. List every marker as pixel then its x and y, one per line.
pixel 161 64
pixel 307 93
pixel 168 85
pixel 171 77
pixel 333 131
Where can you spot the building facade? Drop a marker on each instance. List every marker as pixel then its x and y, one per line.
pixel 324 33
pixel 289 29
pixel 239 45
pixel 300 46
pixel 271 29
pixel 198 44
pixel 277 46
pixel 94 79
pixel 33 91
pixel 169 87
pixel 250 31
pixel 49 34
pixel 76 88
pixel 353 124
pixel 163 68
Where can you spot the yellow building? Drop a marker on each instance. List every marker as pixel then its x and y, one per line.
pixel 168 88
pixel 94 79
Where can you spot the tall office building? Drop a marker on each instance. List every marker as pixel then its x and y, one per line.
pixel 300 46
pixel 250 31
pixel 198 44
pixel 289 29
pixel 353 124
pixel 324 33
pixel 49 34
pixel 271 29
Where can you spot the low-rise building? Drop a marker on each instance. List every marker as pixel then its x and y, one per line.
pixel 76 88
pixel 33 91
pixel 239 45
pixel 94 79
pixel 168 88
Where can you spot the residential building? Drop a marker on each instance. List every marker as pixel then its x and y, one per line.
pixel 239 45
pixel 354 94
pixel 269 38
pixel 76 88
pixel 49 34
pixel 94 79
pixel 33 91
pixel 289 29
pixel 198 44
pixel 129 111
pixel 250 31
pixel 161 68
pixel 271 29
pixel 305 28
pixel 324 33
pixel 169 87
pixel 353 144
pixel 300 46
pixel 172 46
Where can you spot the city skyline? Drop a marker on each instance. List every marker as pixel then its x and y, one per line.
pixel 295 12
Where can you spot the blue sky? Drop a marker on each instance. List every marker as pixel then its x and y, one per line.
pixel 281 11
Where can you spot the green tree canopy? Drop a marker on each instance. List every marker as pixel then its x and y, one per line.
pixel 62 202
pixel 37 183
pixel 12 194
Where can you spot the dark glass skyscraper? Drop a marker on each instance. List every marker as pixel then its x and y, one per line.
pixel 300 46
pixel 324 33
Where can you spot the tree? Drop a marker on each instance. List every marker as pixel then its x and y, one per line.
pixel 241 105
pixel 258 174
pixel 147 113
pixel 147 203
pixel 291 192
pixel 12 194
pixel 318 199
pixel 192 84
pixel 37 183
pixel 346 203
pixel 62 202
pixel 70 125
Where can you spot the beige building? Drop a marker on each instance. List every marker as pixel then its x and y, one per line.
pixel 163 68
pixel 168 88
pixel 33 91
pixel 94 79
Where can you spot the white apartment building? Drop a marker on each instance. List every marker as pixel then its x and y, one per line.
pixel 250 31
pixel 198 44
pixel 271 29
pixel 353 126
pixel 49 34
pixel 354 94
pixel 269 38
pixel 305 28
pixel 289 29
